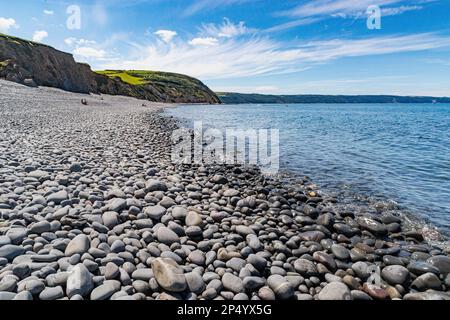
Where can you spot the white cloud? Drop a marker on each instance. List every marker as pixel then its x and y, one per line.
pixel 209 41
pixel 79 42
pixel 335 7
pixel 252 56
pixel 7 23
pixel 40 35
pixel 227 29
pixel 166 35
pixel 89 52
pixel 49 12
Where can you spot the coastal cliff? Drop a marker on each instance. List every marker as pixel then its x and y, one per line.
pixel 36 64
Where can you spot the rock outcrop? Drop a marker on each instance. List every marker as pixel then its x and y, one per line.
pixel 36 64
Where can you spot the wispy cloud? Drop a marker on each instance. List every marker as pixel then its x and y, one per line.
pixel 227 29
pixel 252 56
pixel 6 24
pixel 166 35
pixel 40 35
pixel 49 12
pixel 200 5
pixel 334 7
pixel 79 42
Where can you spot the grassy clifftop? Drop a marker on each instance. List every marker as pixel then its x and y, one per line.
pixel 37 64
pixel 176 85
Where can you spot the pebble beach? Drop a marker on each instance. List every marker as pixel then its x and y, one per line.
pixel 92 208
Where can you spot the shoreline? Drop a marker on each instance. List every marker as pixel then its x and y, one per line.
pixel 432 232
pixel 92 208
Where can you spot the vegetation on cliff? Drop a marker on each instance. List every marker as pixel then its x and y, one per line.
pixel 36 64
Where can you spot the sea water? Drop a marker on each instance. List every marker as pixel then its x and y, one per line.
pixel 392 156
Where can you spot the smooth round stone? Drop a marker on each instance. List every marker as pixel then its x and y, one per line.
pixel 58 197
pixel 75 167
pixel 360 295
pixel 179 213
pixel 79 282
pixel 254 243
pixel 361 270
pixel 305 267
pixel 6 296
pixel 21 270
pixel 420 256
pixel 428 295
pixel 218 179
pixel 335 291
pixel 332 278
pixel 258 262
pixel 141 286
pixel 78 245
pixel 117 204
pixel 375 291
pixel 236 264
pixel 4 240
pixel 244 230
pixel 167 202
pixel 324 259
pixel 8 284
pixel 241 297
pixel 391 260
pixel 372 226
pixel 169 275
pixel 34 286
pixel 57 279
pixel 106 290
pixel 197 257
pixel 10 251
pixel 282 288
pixel 195 282
pixel 340 252
pixel 155 185
pixel 17 235
pixel 24 296
pixel 166 236
pixel 155 212
pixel 194 232
pixel 395 274
pixel 40 227
pixel 144 274
pixel 253 283
pixel 266 294
pixel 118 246
pixel 230 193
pixel 193 219
pixel 110 219
pixel 3 261
pixel 419 268
pixel 440 262
pixel 51 293
pixel 111 271
pixel 351 282
pixel 232 283
pixel 427 281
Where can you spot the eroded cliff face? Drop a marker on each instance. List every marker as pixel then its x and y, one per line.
pixel 35 64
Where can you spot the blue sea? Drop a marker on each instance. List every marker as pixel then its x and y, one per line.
pixel 386 156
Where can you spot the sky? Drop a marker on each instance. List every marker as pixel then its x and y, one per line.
pixel 254 46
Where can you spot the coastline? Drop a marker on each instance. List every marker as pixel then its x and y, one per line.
pixel 93 199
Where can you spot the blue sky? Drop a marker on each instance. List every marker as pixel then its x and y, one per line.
pixel 266 46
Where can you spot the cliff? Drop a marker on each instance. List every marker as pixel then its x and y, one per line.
pixel 36 64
